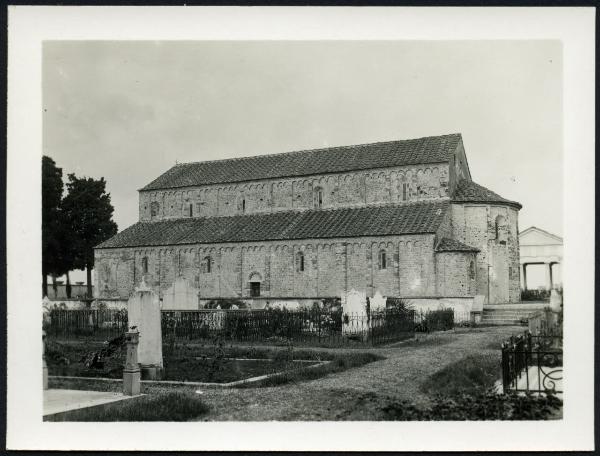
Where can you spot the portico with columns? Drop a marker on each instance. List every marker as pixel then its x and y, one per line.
pixel 539 247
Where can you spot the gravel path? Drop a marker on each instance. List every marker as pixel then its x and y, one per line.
pixel 350 395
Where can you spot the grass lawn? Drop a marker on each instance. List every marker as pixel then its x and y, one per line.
pixel 163 406
pixel 402 382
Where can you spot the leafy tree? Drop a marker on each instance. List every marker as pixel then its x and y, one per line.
pixel 88 209
pixel 52 190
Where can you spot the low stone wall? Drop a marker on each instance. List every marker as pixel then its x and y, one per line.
pixel 463 307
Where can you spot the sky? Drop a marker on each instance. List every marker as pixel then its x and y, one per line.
pixel 128 111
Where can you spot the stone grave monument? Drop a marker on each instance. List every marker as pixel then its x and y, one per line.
pixel 180 296
pixel 143 313
pixel 378 302
pixel 131 371
pixel 477 309
pixel 354 314
pixel 44 365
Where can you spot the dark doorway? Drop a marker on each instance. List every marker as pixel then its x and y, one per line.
pixel 254 289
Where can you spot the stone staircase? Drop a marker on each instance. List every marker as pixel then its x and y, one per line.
pixel 509 314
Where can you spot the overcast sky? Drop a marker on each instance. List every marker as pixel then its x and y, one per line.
pixel 128 111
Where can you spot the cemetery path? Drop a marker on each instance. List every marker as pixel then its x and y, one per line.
pixel 350 395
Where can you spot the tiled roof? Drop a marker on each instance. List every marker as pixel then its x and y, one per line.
pixel 469 192
pixel 384 220
pixel 452 245
pixel 434 149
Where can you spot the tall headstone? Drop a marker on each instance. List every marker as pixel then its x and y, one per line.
pixel 143 313
pixel 180 296
pixel 354 313
pixel 378 302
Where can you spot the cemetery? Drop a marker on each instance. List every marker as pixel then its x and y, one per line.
pixel 220 359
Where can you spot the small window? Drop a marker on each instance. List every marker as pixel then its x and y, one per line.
pixel 472 269
pixel 244 205
pixel 191 210
pixel 154 207
pixel 404 191
pixel 145 265
pixel 300 262
pixel 254 289
pixel 318 198
pixel 501 229
pixel 207 265
pixel 382 259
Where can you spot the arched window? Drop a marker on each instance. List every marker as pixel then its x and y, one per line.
pixel 318 197
pixel 207 265
pixel 501 229
pixel 299 262
pixel 191 210
pixel 243 205
pixel 145 265
pixel 154 208
pixel 472 269
pixel 382 259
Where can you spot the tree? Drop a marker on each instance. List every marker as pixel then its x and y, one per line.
pixel 52 190
pixel 88 210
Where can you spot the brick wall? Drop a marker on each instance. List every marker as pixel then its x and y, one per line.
pixel 391 185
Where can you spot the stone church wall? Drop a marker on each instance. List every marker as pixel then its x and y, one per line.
pixel 330 267
pixel 493 229
pixel 353 189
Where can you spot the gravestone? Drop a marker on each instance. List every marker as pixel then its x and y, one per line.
pixel 377 302
pixel 555 300
pixel 182 295
pixel 143 313
pixel 477 308
pixel 44 365
pixel 354 314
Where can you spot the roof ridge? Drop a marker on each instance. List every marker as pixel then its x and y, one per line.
pixel 319 149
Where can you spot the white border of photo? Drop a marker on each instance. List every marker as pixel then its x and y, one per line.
pixel 29 26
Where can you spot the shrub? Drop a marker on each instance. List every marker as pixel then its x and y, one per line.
pixel 483 406
pixel 225 303
pixel 535 295
pixel 435 320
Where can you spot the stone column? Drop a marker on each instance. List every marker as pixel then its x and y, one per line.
pixel 548 275
pixel 131 371
pixel 551 278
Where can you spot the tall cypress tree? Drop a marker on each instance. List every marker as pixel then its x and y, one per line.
pixel 88 211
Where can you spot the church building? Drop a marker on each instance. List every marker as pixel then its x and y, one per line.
pixel 402 218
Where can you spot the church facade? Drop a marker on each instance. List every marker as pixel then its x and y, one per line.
pixel 402 218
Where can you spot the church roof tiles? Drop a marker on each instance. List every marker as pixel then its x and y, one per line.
pixel 469 192
pixel 434 149
pixel 452 245
pixel 416 218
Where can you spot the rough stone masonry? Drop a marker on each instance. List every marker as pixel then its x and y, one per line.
pixel 403 218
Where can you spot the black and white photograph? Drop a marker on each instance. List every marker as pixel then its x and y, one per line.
pixel 273 231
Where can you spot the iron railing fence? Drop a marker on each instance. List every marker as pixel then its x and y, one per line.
pixel 310 326
pixel 97 324
pixel 532 363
